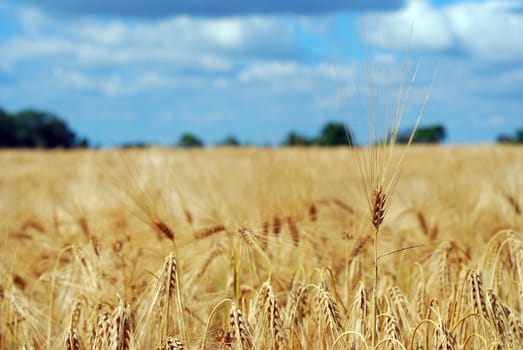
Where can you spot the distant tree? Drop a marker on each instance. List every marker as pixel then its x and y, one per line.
pixel 429 134
pixel 189 140
pixel 517 138
pixel 32 128
pixel 505 139
pixel 134 144
pixel 42 129
pixel 82 143
pixel 7 130
pixel 334 134
pixel 230 141
pixel 295 139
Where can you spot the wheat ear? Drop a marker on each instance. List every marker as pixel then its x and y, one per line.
pixel 239 330
pixel 267 319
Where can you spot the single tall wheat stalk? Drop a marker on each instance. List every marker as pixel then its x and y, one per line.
pixel 378 168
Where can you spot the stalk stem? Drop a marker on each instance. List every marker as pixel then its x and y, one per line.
pixel 375 289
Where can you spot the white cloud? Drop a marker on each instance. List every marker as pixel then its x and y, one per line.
pixel 17 49
pixel 269 71
pixel 392 29
pixel 210 44
pixel 32 19
pixel 513 76
pixel 488 31
pixel 114 85
pixel 220 83
pixel 293 71
pixel 227 34
pixel 495 120
pixel 72 79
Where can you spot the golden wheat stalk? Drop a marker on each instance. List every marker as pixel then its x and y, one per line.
pixel 73 340
pixel 297 308
pixel 209 231
pixel 359 314
pixel 327 316
pixel 172 343
pixel 443 340
pixel 239 330
pixel 122 328
pixel 101 338
pixel 163 304
pixel 266 318
pixel 378 168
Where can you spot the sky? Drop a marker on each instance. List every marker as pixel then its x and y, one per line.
pixel 150 70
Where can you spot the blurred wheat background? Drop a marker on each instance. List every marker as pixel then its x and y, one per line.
pixel 258 249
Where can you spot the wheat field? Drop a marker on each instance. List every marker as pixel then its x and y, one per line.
pixel 252 248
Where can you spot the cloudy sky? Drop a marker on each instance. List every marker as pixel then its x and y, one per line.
pixel 150 70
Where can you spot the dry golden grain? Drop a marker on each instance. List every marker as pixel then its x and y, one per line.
pixel 207 232
pixel 84 226
pixel 73 341
pixel 400 308
pixel 478 295
pixel 443 339
pixel 378 207
pixel 276 225
pixel 163 229
pixel 293 228
pixel 121 328
pixel 172 343
pixel 342 205
pixel 313 212
pixel 359 246
pixel 208 260
pixel 514 203
pixel 420 300
pixel 239 330
pixel 359 314
pixel 247 235
pixel 297 307
pixel 422 222
pixel 266 319
pixel 101 339
pixel 392 329
pixel 327 315
pixel 188 216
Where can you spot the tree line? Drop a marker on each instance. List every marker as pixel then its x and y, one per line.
pixel 38 129
pixel 331 134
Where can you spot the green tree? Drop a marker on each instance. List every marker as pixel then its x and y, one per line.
pixel 42 129
pixel 230 141
pixel 7 130
pixel 334 134
pixel 504 139
pixel 134 144
pixel 189 140
pixel 516 138
pixel 82 143
pixel 32 128
pixel 429 134
pixel 295 139
pixel 519 136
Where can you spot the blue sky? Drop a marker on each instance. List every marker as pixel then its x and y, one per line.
pixel 151 70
